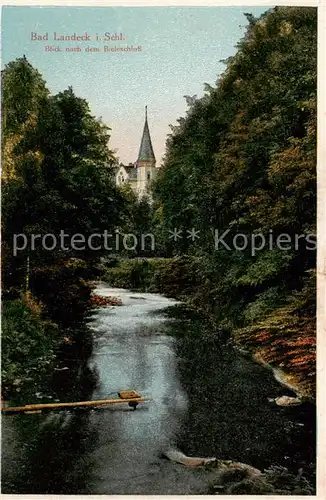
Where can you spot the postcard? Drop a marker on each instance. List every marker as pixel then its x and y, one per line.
pixel 159 213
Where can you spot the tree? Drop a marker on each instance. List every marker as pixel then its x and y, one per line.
pixel 63 179
pixel 243 160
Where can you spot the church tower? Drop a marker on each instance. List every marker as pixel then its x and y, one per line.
pixel 146 161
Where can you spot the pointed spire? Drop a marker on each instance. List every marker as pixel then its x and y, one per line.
pixel 146 152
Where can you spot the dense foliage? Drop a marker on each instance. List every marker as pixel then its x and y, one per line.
pixel 57 170
pixel 243 162
pixel 28 346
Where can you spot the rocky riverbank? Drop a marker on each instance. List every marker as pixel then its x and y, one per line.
pixel 236 478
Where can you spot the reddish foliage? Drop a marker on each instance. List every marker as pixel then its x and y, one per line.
pixel 97 301
pixel 292 346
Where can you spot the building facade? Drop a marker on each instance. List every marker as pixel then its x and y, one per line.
pixel 139 175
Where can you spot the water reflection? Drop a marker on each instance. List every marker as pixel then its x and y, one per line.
pixel 49 450
pixel 229 414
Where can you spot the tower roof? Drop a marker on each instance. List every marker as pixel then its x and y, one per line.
pixel 146 152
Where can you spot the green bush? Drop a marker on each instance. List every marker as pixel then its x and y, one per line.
pixel 136 274
pixel 63 290
pixel 28 347
pixel 175 277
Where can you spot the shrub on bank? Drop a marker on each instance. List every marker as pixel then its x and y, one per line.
pixel 140 274
pixel 46 326
pixel 28 346
pixel 286 338
pixel 63 290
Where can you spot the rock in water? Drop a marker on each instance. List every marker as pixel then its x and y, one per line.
pixel 230 466
pixel 236 478
pixel 288 401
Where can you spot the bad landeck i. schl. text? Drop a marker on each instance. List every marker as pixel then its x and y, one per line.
pixel 77 37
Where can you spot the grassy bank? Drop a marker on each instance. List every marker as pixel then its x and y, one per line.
pixel 276 328
pixel 29 344
pixel 45 342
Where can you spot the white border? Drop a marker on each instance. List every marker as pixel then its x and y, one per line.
pixel 321 219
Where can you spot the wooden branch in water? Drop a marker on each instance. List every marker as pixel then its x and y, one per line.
pixel 49 406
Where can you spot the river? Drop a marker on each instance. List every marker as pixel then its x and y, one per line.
pixel 205 399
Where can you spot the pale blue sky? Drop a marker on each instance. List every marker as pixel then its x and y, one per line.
pixel 181 50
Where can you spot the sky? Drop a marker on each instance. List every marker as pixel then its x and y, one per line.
pixel 181 48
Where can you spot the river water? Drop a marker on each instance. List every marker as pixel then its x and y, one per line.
pixel 206 400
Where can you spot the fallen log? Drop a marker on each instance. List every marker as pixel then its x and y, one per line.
pixel 180 458
pixel 226 466
pixel 53 406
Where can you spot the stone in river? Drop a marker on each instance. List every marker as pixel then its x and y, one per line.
pixel 288 401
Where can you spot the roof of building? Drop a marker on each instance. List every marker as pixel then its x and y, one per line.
pixel 146 152
pixel 131 170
